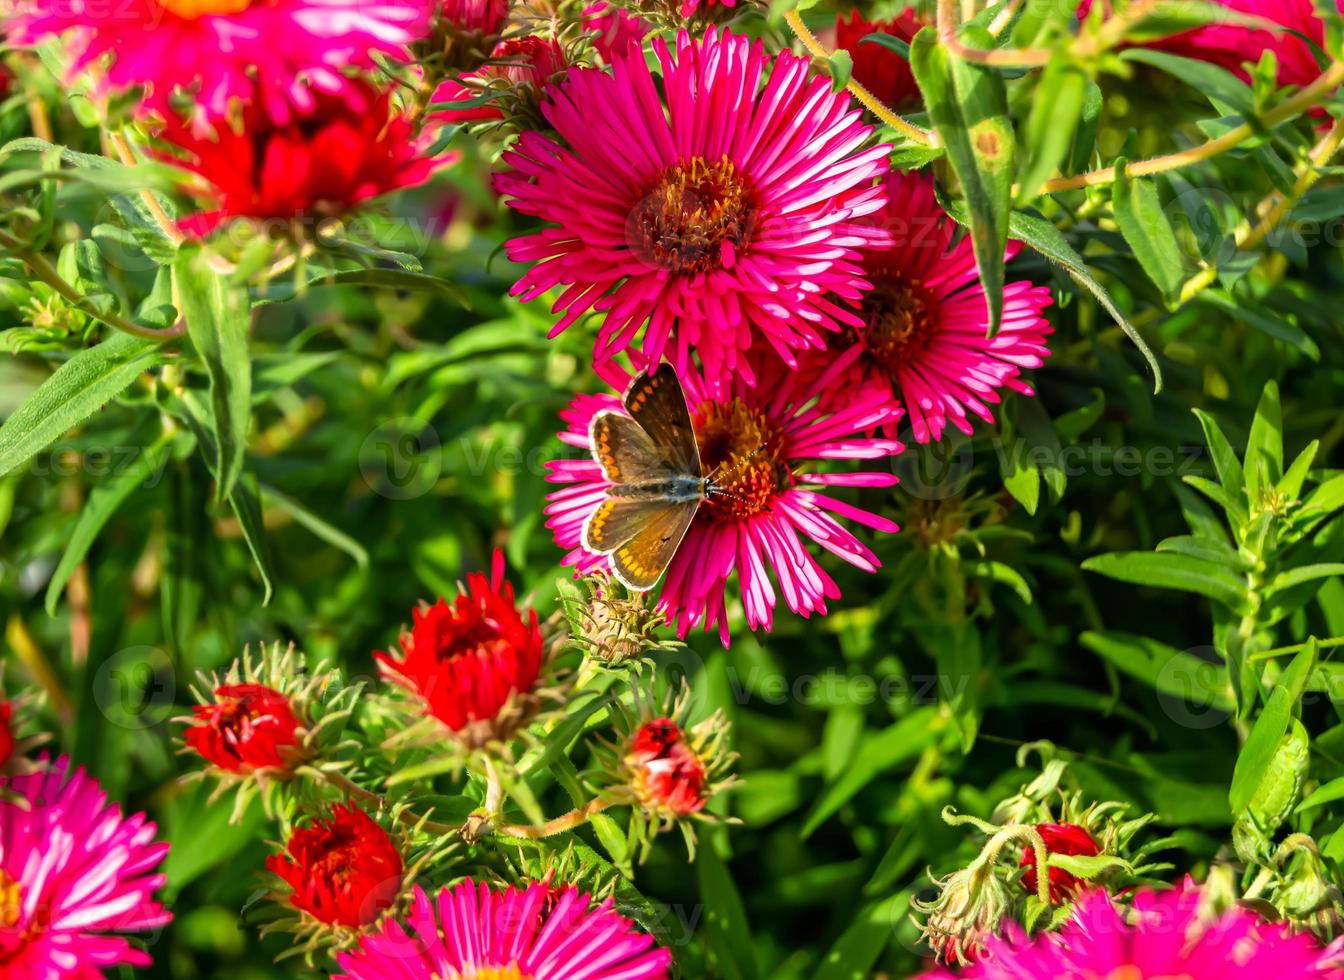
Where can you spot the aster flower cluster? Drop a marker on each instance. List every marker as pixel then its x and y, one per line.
pixel 475 690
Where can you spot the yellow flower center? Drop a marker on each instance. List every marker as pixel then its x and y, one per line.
pixel 11 901
pixel 900 318
pixel 511 972
pixel 741 448
pixel 193 9
pixel 697 217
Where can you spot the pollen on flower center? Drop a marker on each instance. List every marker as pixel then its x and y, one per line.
pixel 511 972
pixel 741 447
pixel 697 216
pixel 900 317
pixel 192 9
pixel 11 901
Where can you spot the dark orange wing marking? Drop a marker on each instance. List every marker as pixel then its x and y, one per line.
pixel 656 401
pixel 624 450
pixel 641 561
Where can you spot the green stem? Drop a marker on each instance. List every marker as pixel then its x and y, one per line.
pixel 46 272
pixel 874 104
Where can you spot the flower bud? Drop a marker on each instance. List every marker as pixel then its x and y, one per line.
pixel 970 905
pixel 1059 838
pixel 245 728
pixel 666 774
pixel 343 871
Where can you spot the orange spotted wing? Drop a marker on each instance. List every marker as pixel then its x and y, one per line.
pixel 651 458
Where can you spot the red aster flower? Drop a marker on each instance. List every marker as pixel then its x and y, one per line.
pixel 666 773
pixel 471 660
pixel 6 732
pixel 1060 838
pixel 320 165
pixel 878 69
pixel 246 727
pixel 343 870
pixel 519 66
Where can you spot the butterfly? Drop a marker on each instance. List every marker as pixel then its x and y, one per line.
pixel 652 460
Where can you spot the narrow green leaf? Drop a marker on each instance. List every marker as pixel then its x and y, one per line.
pixel 1225 462
pixel 1164 668
pixel 1056 108
pixel 1264 448
pixel 334 536
pixel 76 390
pixel 725 916
pixel 1138 212
pixel 218 319
pixel 104 499
pixel 1046 239
pixel 1165 570
pixel 856 951
pixel 1268 731
pixel 1325 793
pixel 969 109
pixel 1307 573
pixel 1290 487
pixel 877 754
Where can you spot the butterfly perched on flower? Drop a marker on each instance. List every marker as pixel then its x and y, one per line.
pixel 652 461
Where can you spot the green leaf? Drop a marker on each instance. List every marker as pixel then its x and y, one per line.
pixel 1290 487
pixel 877 754
pixel 969 109
pixel 1138 212
pixel 856 951
pixel 1261 318
pixel 1267 733
pixel 1325 793
pixel 402 279
pixel 76 390
pixel 1056 107
pixel 334 536
pixel 1164 668
pixel 841 66
pixel 1046 239
pixel 218 320
pixel 1299 576
pixel 1165 570
pixel 1225 90
pixel 1263 462
pixel 725 917
pixel 1225 462
pixel 104 499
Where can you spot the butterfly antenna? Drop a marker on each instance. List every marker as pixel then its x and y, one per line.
pixel 740 463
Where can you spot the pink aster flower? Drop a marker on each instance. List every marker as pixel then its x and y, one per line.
pixel 73 873
pixel 755 438
pixel 726 216
pixel 280 53
pixel 485 16
pixel 537 932
pixel 1166 934
pixel 924 321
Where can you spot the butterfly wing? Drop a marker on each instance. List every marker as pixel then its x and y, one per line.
pixel 625 451
pixel 657 402
pixel 641 561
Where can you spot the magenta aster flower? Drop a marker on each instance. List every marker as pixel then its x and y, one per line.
pixel 276 52
pixel 73 873
pixel 924 321
pixel 719 213
pixel 537 933
pixel 1165 934
pixel 755 438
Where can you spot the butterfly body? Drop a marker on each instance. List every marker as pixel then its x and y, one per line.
pixel 650 457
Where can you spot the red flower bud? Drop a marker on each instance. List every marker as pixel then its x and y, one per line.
pixel 1059 838
pixel 667 775
pixel 246 727
pixel 343 870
